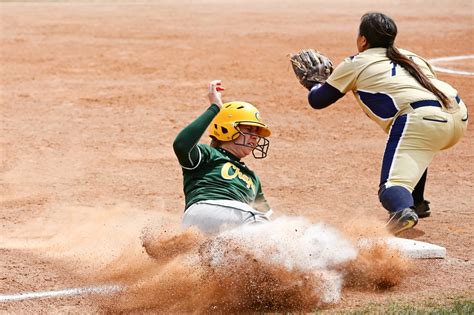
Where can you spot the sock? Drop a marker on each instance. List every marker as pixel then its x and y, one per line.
pixel 395 198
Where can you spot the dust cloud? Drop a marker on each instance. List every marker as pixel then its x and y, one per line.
pixel 289 264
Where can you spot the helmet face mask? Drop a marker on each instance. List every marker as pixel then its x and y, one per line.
pixel 225 126
pixel 260 148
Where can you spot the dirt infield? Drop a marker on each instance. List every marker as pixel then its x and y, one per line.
pixel 92 96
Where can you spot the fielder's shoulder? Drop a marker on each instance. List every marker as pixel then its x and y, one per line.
pixel 350 58
pixel 416 58
pixel 420 61
pixel 407 52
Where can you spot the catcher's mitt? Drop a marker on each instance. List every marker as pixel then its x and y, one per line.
pixel 311 67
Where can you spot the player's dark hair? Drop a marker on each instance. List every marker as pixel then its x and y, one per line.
pixel 215 143
pixel 380 31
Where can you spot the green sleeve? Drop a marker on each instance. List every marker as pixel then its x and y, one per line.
pixel 185 143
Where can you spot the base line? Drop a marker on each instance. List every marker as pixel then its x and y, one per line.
pixel 449 70
pixel 105 289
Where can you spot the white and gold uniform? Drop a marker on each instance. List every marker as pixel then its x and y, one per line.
pixel 417 124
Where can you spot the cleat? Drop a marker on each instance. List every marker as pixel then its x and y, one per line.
pixel 422 209
pixel 402 220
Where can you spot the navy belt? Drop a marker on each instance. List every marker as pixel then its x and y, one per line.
pixel 419 104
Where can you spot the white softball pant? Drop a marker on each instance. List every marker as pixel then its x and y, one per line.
pixel 211 216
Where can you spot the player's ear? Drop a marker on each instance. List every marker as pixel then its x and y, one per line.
pixel 362 43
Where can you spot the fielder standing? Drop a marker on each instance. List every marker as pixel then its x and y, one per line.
pixel 400 92
pixel 220 190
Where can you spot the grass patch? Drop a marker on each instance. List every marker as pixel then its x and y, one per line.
pixel 457 307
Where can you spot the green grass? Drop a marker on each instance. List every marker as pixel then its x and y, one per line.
pixel 457 307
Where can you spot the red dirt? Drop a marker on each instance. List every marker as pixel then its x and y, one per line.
pixel 92 96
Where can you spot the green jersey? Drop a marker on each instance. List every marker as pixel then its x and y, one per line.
pixel 213 173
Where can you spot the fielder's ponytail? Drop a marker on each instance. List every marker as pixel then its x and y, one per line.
pixel 415 71
pixel 380 31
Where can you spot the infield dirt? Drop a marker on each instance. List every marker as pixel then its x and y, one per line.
pixel 93 94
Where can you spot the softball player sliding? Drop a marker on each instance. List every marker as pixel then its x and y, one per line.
pixel 220 190
pixel 399 91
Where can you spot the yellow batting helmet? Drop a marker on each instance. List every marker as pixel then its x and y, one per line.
pixel 225 126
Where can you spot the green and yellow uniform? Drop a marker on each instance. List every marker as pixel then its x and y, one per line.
pixel 220 176
pixel 212 173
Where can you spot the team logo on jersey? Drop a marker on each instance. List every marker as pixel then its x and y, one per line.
pixel 230 171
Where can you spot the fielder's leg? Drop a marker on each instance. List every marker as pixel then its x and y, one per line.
pixel 421 206
pixel 402 167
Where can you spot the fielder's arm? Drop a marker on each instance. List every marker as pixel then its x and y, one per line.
pixel 323 95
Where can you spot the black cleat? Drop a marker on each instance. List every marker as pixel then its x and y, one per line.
pixel 422 209
pixel 402 220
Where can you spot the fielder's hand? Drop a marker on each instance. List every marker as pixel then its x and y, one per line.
pixel 311 67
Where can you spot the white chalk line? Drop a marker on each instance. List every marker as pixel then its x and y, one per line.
pixel 105 289
pixel 449 70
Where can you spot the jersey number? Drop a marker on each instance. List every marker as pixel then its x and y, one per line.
pixel 394 68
